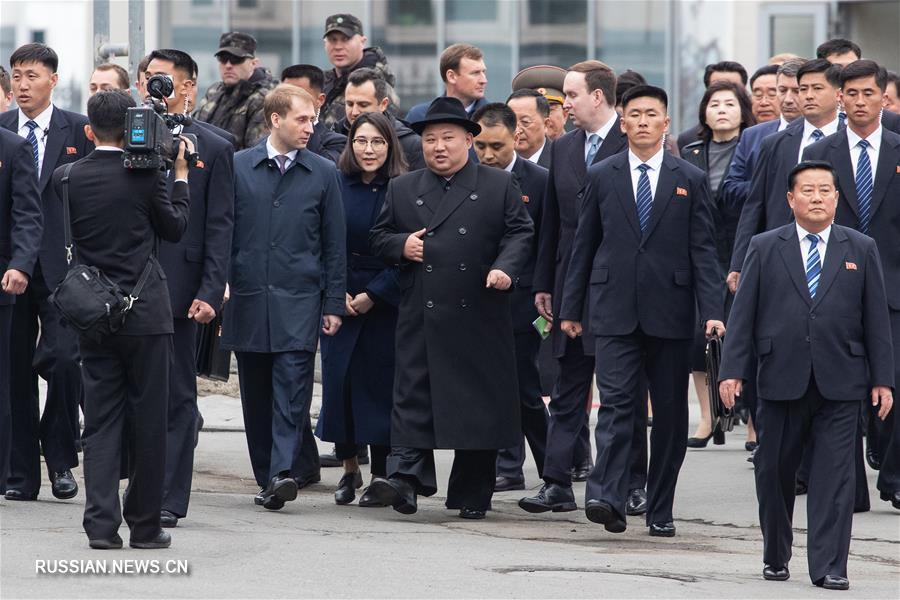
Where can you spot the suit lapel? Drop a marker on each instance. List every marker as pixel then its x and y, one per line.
pixel 56 139
pixel 665 189
pixel 10 120
pixel 793 261
pixel 613 143
pixel 464 182
pixel 844 168
pixel 625 194
pixel 576 157
pixel 834 258
pixel 430 193
pixel 888 160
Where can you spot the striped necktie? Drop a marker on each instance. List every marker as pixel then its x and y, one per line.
pixel 864 187
pixel 817 135
pixel 31 138
pixel 595 140
pixel 643 198
pixel 813 264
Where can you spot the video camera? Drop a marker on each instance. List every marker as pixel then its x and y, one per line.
pixel 150 138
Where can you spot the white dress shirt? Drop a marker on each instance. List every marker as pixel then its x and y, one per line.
pixel 808 138
pixel 654 163
pixel 873 150
pixel 508 168
pixel 43 127
pixel 537 155
pixel 805 245
pixel 603 132
pixel 782 123
pixel 272 152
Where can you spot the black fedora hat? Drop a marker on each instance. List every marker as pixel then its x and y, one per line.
pixel 446 110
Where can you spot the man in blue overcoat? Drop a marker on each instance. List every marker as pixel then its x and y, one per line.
pixel 287 278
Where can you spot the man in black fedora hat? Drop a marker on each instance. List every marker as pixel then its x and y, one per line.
pixel 460 233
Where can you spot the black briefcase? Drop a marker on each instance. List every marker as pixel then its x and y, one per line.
pixel 212 362
pixel 722 418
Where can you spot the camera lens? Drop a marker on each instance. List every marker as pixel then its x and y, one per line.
pixel 160 86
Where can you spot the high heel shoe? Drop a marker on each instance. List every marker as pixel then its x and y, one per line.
pixel 751 446
pixel 697 442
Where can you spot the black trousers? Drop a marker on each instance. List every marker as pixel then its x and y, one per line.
pixel 622 362
pixel 829 429
pixel 861 500
pixel 549 371
pixel 126 380
pixel 5 423
pixel 534 413
pixel 182 419
pixel 378 461
pixel 53 357
pixel 276 391
pixel 471 483
pixel 888 430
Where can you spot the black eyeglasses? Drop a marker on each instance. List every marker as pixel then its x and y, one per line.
pixel 231 59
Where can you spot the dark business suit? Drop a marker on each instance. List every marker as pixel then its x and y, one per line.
pixel 196 267
pixel 885 215
pixel 736 184
pixel 532 181
pixel 817 359
pixel 562 206
pixel 644 287
pixel 21 226
pixel 116 216
pixel 222 133
pixel 55 355
pixel 546 157
pixel 326 143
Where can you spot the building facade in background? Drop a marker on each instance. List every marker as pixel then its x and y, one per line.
pixel 667 41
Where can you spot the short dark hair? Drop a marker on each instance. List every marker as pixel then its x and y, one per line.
pixel 646 91
pixel 865 68
pixel 394 164
pixel 181 60
pixel 361 76
pixel 598 76
pixel 496 113
pixel 891 78
pixel 142 67
pixel 837 46
pixel 724 66
pixel 543 106
pixel 4 81
pixel 314 74
pixel 453 55
pixel 107 111
pixel 765 70
pixel 627 80
pixel 808 165
pixel 743 98
pixel 121 74
pixel 39 53
pixel 820 65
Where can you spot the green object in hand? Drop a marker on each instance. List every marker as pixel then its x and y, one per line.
pixel 542 327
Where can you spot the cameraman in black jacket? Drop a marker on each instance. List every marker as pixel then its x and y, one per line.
pixel 117 215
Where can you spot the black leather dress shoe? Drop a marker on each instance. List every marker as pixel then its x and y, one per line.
pixel 598 511
pixel 197 428
pixel 19 496
pixel 581 472
pixel 506 484
pixel 367 500
pixel 800 488
pixel 772 573
pixel 347 486
pixel 552 497
pixel 396 493
pixel 331 459
pixel 834 582
pixel 471 513
pixel 162 540
pixel 637 502
pixel 873 458
pixel 666 529
pixel 894 498
pixel 63 484
pixel 258 499
pixel 111 543
pixel 752 457
pixel 303 482
pixel 167 519
pixel 280 490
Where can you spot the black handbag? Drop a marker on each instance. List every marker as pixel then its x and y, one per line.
pixel 88 300
pixel 722 418
pixel 212 362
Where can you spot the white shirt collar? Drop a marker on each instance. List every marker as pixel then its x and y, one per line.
pixel 42 120
pixel 828 129
pixel 508 168
pixel 604 130
pixel 537 153
pixel 654 163
pixel 874 138
pixel 109 148
pixel 782 123
pixel 272 152
pixel 802 233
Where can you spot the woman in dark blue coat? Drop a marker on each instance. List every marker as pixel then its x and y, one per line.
pixel 358 362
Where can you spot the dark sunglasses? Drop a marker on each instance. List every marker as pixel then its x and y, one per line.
pixel 231 59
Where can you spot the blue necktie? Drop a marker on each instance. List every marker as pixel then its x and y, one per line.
pixel 842 120
pixel 813 264
pixel 595 140
pixel 817 135
pixel 644 198
pixel 864 187
pixel 32 139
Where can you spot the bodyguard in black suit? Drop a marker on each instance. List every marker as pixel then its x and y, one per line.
pixel 196 267
pixel 645 251
pixel 495 147
pixel 116 216
pixel 56 138
pixel 812 303
pixel 869 187
pixel 20 239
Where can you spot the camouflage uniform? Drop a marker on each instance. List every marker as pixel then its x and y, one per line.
pixel 332 111
pixel 238 108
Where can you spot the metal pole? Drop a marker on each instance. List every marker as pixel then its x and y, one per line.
pixel 591 18
pixel 101 28
pixel 136 28
pixel 226 16
pixel 515 16
pixel 295 32
pixel 440 26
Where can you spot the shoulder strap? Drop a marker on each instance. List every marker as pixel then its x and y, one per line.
pixel 145 274
pixel 67 224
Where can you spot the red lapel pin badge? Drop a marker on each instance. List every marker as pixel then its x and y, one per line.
pixel 71 150
pixel 525 199
pixel 680 191
pixel 850 266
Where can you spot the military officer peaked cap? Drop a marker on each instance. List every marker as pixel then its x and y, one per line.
pixel 544 79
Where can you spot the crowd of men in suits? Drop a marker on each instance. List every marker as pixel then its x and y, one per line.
pixel 507 229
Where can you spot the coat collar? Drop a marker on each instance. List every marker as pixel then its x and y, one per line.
pixel 793 261
pixel 443 204
pixel 259 155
